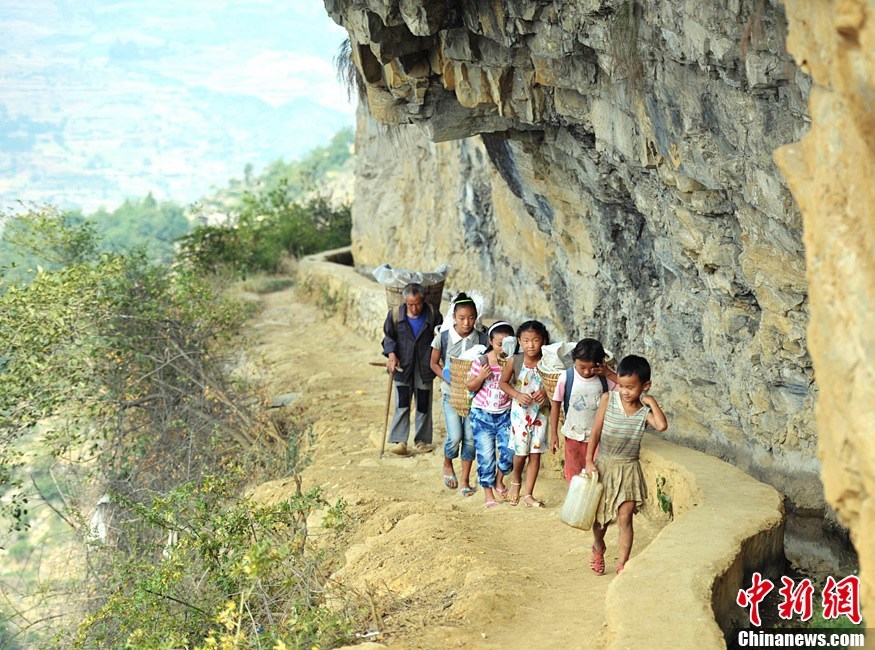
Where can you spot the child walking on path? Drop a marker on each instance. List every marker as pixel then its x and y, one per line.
pixel 452 342
pixel 618 428
pixel 490 417
pixel 528 421
pixel 579 393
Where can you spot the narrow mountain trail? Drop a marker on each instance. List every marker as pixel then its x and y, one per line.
pixel 437 569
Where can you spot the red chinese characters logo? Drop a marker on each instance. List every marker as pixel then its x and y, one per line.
pixel 839 598
pixel 752 597
pixel 842 598
pixel 796 600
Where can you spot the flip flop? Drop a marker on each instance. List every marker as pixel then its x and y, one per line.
pixel 489 505
pixel 531 502
pixel 450 481
pixel 502 493
pixel 468 491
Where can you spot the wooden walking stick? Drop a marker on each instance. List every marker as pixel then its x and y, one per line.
pixel 388 404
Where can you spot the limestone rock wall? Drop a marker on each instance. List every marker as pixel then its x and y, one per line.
pixel 606 166
pixel 831 173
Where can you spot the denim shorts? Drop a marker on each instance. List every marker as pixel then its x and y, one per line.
pixel 459 434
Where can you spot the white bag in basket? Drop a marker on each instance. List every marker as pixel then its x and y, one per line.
pixel 472 353
pixel 400 278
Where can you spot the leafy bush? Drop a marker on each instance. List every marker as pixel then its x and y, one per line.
pixel 124 367
pixel 240 575
pixel 143 224
pixel 44 236
pixel 268 227
pixel 126 355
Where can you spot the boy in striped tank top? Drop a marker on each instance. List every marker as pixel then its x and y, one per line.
pixel 619 425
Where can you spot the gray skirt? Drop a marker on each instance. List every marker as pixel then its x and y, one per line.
pixel 623 481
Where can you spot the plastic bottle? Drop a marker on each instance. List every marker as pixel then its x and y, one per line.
pixel 582 501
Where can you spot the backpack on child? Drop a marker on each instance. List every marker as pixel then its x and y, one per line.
pixel 569 381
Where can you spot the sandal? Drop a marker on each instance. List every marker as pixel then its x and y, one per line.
pixel 514 500
pixel 489 505
pixel 620 568
pixel 531 502
pixel 597 561
pixel 501 492
pixel 468 491
pixel 450 481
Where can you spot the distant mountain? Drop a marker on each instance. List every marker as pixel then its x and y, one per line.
pixel 102 100
pixel 327 171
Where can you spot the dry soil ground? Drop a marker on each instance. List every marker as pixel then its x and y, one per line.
pixel 442 571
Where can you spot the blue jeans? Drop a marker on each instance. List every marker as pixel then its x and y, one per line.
pixel 459 434
pixel 491 430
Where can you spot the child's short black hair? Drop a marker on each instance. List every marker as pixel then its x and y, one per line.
pixel 588 350
pixel 634 365
pixel 464 300
pixel 534 326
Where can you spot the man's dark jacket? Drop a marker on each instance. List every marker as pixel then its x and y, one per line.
pixel 414 353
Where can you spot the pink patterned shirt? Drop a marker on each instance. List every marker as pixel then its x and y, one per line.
pixel 490 397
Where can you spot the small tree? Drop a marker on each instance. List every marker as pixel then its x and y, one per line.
pixel 125 367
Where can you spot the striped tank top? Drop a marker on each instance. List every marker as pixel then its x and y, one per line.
pixel 621 434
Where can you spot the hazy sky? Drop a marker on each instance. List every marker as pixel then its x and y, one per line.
pixel 103 100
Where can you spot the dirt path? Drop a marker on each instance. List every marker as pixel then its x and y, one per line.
pixel 441 571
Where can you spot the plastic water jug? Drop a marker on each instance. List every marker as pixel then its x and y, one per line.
pixel 582 501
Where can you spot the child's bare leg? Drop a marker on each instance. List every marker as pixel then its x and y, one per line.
pixel 516 479
pixel 598 536
pixel 597 559
pixel 466 474
pixel 499 481
pixel 531 478
pixel 624 528
pixel 450 474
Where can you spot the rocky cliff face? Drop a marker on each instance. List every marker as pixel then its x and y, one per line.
pixel 831 174
pixel 606 166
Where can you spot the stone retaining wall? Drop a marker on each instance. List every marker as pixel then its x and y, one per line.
pixel 359 300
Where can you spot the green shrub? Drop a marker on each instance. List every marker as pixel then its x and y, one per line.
pixel 268 227
pixel 126 365
pixel 240 572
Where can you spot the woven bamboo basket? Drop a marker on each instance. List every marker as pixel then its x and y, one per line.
pixel 549 379
pixel 433 294
pixel 459 397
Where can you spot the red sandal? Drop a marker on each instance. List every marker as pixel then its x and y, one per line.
pixel 597 561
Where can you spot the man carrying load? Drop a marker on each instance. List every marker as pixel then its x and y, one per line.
pixel 408 333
